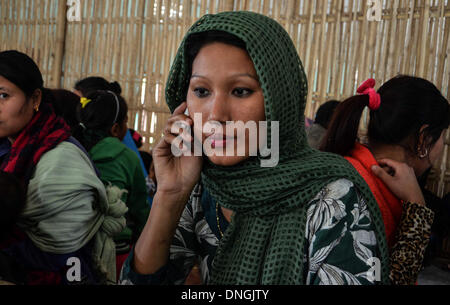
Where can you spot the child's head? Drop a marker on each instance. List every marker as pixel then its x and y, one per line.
pixel 101 114
pixel 12 201
pixel 93 83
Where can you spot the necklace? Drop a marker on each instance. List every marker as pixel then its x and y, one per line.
pixel 217 218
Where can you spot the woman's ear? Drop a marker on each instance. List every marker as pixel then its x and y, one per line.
pixel 115 130
pixel 423 143
pixel 36 99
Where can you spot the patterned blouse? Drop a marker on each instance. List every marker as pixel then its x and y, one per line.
pixel 339 238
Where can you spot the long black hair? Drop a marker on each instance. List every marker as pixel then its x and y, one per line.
pixel 94 83
pixel 97 117
pixel 407 104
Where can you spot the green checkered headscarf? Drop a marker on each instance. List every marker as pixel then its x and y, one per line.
pixel 264 243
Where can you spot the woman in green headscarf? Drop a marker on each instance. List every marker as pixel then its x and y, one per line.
pixel 310 219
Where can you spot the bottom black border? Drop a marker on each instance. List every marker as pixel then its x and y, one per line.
pixel 128 295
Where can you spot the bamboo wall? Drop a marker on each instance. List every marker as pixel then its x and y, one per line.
pixel 134 43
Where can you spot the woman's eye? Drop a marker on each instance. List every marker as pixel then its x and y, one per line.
pixel 201 92
pixel 242 92
pixel 3 95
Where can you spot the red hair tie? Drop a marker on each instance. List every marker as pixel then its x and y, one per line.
pixel 368 88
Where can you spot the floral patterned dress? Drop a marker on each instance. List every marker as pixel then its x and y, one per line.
pixel 339 238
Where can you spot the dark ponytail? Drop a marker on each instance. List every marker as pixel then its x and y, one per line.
pixel 407 104
pixel 342 132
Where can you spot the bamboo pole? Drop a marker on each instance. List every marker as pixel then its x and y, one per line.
pixel 423 41
pixel 335 64
pixel 322 76
pixel 443 51
pixel 60 44
pixel 430 58
pixel 229 4
pixel 308 62
pixel 414 58
pixel 46 10
pixel 350 77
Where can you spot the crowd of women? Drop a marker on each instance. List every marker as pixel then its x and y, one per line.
pixel 350 212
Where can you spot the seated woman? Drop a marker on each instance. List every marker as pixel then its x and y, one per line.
pixel 307 219
pixel 102 117
pixel 408 120
pixel 67 213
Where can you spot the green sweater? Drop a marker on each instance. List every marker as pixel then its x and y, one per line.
pixel 119 166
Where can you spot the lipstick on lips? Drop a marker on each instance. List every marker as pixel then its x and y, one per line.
pixel 219 140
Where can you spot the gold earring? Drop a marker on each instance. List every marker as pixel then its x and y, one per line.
pixel 421 156
pixel 36 108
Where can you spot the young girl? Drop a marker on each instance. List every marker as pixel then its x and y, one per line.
pixel 102 126
pixel 67 213
pixel 90 84
pixel 311 219
pixel 408 120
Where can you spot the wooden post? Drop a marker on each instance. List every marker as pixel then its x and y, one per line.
pixel 61 23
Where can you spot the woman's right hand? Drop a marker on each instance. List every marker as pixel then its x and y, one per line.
pixel 176 176
pixel 401 180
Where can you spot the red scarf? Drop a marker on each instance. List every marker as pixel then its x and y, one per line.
pixel 43 133
pixel 390 206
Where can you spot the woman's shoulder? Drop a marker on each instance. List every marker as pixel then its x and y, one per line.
pixel 67 158
pixel 64 152
pixel 337 190
pixel 338 202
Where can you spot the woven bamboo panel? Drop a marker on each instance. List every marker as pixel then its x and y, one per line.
pixel 34 27
pixel 134 43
